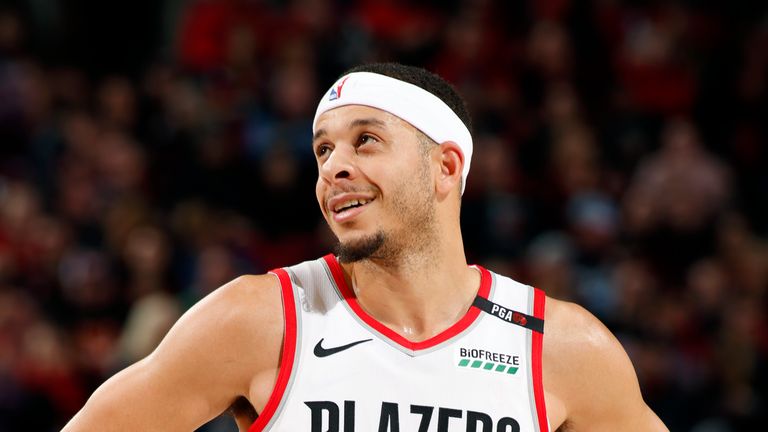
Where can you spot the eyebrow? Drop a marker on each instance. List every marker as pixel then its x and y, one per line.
pixel 369 121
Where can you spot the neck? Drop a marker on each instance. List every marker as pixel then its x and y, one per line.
pixel 417 294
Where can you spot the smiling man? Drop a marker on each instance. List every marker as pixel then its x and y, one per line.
pixel 394 331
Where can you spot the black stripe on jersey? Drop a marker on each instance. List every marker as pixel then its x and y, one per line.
pixel 509 315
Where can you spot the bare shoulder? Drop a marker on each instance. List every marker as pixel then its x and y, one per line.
pixel 235 332
pixel 241 308
pixel 218 352
pixel 240 318
pixel 588 374
pixel 572 331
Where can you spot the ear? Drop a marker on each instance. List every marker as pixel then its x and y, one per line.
pixel 451 163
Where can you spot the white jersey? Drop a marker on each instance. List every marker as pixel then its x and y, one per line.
pixel 343 371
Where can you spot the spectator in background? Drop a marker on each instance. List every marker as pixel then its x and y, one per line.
pixel 682 186
pixel 674 199
pixel 117 164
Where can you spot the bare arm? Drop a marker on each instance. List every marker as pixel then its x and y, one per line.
pixel 226 346
pixel 589 379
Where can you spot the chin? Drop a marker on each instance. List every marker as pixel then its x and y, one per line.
pixel 360 248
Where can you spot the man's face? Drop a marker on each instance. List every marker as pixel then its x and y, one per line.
pixel 374 185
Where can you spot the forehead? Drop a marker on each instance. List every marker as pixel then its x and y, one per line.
pixel 347 116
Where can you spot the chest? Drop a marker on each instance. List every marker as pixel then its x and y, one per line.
pixel 348 378
pixel 350 373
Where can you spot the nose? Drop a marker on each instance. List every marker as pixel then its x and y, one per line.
pixel 339 165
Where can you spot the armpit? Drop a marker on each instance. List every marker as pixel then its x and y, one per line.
pixel 243 412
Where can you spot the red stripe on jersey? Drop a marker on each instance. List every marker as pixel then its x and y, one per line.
pixel 539 299
pixel 288 354
pixel 455 329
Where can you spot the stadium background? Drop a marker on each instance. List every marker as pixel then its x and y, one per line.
pixel 152 150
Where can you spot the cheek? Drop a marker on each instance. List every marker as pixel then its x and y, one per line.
pixel 319 193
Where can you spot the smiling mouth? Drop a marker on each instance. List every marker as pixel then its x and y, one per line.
pixel 350 204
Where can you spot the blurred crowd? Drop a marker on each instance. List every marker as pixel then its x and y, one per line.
pixel 150 151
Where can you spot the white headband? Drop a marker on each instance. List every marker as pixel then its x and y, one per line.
pixel 425 111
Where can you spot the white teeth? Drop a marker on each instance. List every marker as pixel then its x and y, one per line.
pixel 350 203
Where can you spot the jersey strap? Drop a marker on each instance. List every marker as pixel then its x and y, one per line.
pixel 537 345
pixel 288 354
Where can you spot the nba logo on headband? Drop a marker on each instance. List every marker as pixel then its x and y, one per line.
pixel 336 92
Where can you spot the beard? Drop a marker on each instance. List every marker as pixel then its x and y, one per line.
pixel 417 214
pixel 360 249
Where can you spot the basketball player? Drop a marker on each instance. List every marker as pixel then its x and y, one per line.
pixel 395 332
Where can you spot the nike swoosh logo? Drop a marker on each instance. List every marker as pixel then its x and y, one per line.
pixel 325 352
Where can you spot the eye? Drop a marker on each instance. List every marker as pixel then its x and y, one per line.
pixel 365 139
pixel 322 150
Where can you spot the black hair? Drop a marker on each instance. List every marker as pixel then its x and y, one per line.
pixel 425 79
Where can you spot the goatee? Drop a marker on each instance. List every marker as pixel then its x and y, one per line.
pixel 361 249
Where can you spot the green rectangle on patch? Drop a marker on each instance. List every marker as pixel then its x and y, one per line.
pixel 477 363
pixel 511 370
pixel 464 362
pixel 489 366
pixel 500 368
